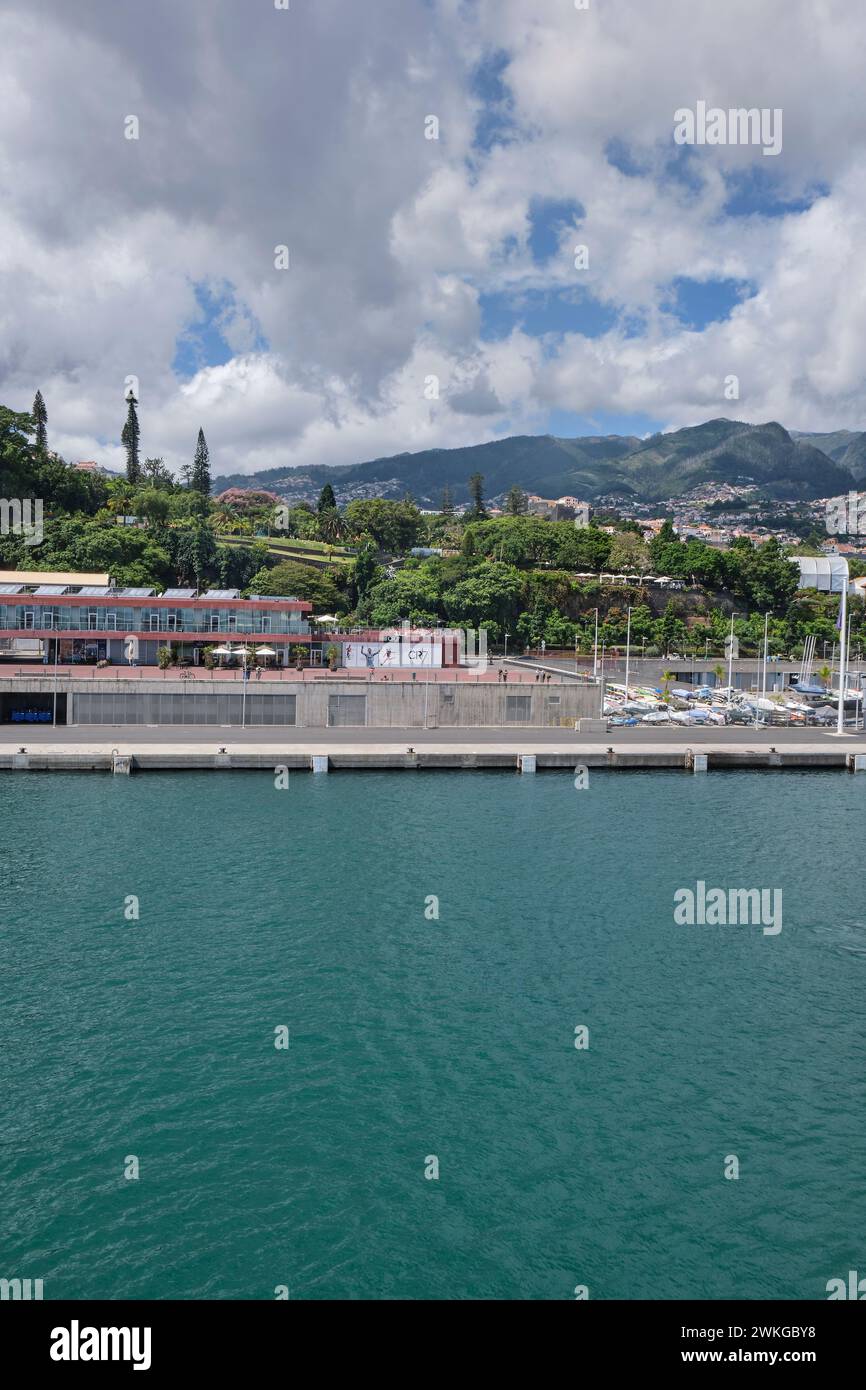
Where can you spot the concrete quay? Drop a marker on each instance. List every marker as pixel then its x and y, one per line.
pixel 58 751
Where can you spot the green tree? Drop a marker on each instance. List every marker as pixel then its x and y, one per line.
pixel 447 506
pixel 40 420
pixel 157 474
pixel 516 503
pixel 129 439
pixel 476 495
pixel 200 476
pixel 365 571
pixel 194 553
pixel 394 526
pixel 332 527
pixel 670 630
pixel 327 500
pixel 291 579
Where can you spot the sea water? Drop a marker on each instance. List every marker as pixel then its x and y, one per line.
pixel 431 1035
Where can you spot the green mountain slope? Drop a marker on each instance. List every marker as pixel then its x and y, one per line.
pixel 845 447
pixel 653 470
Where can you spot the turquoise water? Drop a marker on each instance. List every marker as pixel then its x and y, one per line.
pixel 412 1037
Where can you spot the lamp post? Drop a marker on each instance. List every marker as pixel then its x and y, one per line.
pixel 627 651
pixel 601 684
pixel 244 654
pixel 56 659
pixel 843 654
pixel 507 635
pixel 731 657
pixel 595 647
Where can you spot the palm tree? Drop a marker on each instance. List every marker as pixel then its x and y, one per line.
pixel 667 677
pixel 331 525
pixel 824 676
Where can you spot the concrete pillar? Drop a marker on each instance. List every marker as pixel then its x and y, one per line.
pixel 319 763
pixel 857 762
pixel 526 762
pixel 699 762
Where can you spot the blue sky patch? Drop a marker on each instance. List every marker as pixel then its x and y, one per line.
pixel 202 342
pixel 618 154
pixel 697 303
pixel 540 312
pixel 495 124
pixel 757 191
pixel 548 217
pixel 566 424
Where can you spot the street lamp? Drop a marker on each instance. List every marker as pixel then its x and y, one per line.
pixel 627 650
pixel 507 635
pixel 731 657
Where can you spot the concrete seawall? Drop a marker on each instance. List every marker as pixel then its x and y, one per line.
pixel 318 703
pixel 516 756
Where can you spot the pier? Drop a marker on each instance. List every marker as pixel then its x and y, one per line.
pixel 413 750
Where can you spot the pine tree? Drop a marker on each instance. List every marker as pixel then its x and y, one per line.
pixel 327 500
pixel 129 439
pixel 447 507
pixel 200 476
pixel 40 417
pixel 516 503
pixel 476 492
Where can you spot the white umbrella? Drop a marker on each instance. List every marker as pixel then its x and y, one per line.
pixel 328 618
pixel 265 651
pixel 223 651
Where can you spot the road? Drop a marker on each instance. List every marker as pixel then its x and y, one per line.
pixel 519 739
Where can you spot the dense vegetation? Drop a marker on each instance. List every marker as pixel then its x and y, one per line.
pixel 532 579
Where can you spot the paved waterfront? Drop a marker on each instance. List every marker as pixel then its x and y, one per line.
pixel 458 740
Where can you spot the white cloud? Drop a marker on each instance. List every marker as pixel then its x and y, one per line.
pixel 306 127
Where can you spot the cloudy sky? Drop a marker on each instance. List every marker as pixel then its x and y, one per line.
pixel 412 258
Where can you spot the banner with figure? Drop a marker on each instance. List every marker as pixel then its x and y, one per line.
pixel 392 656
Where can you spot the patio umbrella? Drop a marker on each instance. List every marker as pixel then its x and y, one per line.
pixel 327 618
pixel 265 651
pixel 223 651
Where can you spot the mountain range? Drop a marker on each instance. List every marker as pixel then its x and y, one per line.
pixel 793 466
